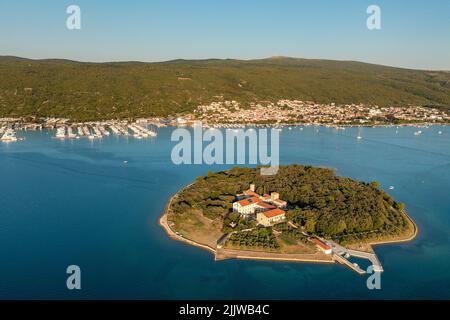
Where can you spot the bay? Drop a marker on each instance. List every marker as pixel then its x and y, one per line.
pixel 78 202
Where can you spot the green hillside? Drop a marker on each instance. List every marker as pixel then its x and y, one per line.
pixel 90 91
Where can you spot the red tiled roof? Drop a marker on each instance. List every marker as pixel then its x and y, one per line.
pixel 249 201
pixel 274 213
pixel 321 244
pixel 265 205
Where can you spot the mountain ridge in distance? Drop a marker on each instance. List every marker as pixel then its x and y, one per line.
pixel 94 91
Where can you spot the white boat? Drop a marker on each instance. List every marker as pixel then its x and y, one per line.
pixel 61 133
pixel 124 130
pixel 104 131
pixel 115 130
pixel 141 132
pixel 70 133
pixel 86 131
pixel 9 136
pixel 97 132
pixel 359 138
pixel 417 133
pixel 136 132
pixel 133 129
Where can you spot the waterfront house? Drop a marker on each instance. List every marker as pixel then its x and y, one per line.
pixel 325 248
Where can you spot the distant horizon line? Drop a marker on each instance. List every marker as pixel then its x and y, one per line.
pixel 279 57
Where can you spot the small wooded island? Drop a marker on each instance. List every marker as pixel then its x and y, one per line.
pixel 302 213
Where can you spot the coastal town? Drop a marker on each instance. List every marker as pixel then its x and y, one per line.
pixel 231 114
pixel 304 112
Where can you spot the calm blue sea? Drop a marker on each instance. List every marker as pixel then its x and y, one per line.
pixel 77 202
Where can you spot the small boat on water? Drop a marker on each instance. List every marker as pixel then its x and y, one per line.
pixel 70 133
pixel 86 131
pixel 9 136
pixel 104 131
pixel 97 132
pixel 61 133
pixel 124 130
pixel 115 130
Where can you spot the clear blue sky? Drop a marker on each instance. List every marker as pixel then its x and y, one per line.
pixel 415 34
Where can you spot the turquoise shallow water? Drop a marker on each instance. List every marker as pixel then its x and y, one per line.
pixel 76 202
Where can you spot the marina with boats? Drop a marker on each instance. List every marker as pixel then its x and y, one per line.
pixel 147 128
pixel 7 135
pixel 94 131
pixel 64 129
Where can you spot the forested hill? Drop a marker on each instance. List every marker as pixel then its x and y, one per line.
pixel 90 91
